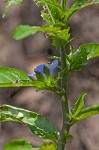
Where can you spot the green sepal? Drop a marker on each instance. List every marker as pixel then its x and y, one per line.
pixel 39 76
pixel 46 71
pixel 38 125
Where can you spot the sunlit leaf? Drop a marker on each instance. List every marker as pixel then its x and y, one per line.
pixel 10 77
pixel 38 125
pixel 24 31
pixel 85 113
pixel 77 59
pixel 18 144
pixel 92 50
pixel 79 104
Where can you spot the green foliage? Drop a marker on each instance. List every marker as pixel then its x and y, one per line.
pixel 38 125
pixel 10 2
pixel 77 5
pixel 85 113
pixel 18 144
pixel 10 77
pixel 24 31
pixel 80 113
pixel 91 49
pixel 13 77
pixel 57 16
pixel 79 58
pixel 79 104
pixel 52 12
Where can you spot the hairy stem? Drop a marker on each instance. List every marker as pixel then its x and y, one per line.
pixel 64 102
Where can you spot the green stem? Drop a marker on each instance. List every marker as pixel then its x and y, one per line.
pixel 63 4
pixel 64 102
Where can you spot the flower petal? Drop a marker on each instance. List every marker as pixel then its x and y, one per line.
pixel 32 75
pixel 53 65
pixel 40 69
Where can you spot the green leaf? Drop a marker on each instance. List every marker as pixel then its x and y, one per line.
pixel 59 37
pixel 79 104
pixel 18 144
pixel 10 3
pixel 24 31
pixel 38 125
pixel 85 113
pixel 77 59
pixel 10 77
pixel 52 12
pixel 91 49
pixel 77 5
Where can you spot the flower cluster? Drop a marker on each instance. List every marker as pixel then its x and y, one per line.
pixel 45 70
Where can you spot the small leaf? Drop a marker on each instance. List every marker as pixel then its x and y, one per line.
pixel 79 104
pixel 92 50
pixel 38 125
pixel 18 144
pixel 24 31
pixel 87 112
pixel 10 3
pixel 77 5
pixel 77 59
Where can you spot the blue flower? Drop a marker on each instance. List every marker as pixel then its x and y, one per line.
pixel 40 69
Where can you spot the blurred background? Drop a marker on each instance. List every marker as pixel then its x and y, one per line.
pixel 28 53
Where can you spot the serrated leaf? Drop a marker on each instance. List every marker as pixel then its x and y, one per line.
pixel 92 50
pixel 18 144
pixel 38 125
pixel 79 104
pixel 10 3
pixel 87 112
pixel 52 12
pixel 24 31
